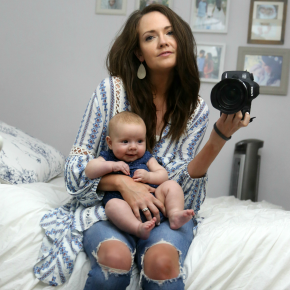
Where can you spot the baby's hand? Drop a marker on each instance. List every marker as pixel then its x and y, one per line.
pixel 121 166
pixel 141 175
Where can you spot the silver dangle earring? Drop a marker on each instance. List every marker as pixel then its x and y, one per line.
pixel 141 73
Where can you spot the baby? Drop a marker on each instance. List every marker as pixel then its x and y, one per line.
pixel 128 155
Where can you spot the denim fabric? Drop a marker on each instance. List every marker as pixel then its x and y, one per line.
pixel 96 234
pixel 104 230
pixel 180 239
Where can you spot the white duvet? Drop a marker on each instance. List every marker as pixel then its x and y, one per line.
pixel 239 245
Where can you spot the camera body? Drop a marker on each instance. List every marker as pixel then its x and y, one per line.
pixel 234 92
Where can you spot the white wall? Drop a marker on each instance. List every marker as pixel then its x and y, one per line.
pixel 52 58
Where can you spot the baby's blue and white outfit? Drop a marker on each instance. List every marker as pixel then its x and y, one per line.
pixel 134 165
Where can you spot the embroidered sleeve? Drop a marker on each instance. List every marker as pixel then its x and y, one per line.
pixel 194 188
pixel 89 142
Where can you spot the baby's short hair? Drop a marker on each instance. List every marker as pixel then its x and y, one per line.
pixel 125 117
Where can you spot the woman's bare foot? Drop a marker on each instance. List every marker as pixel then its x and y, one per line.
pixel 179 218
pixel 144 229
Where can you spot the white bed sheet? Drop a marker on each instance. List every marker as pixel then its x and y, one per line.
pixel 239 245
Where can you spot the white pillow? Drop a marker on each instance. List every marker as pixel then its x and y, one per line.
pixel 24 159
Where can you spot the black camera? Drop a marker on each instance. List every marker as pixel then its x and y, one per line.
pixel 234 92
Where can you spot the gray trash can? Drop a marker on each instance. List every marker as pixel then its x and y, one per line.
pixel 246 169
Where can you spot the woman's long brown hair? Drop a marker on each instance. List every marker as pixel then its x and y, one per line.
pixel 182 96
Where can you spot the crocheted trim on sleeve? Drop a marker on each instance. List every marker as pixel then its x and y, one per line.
pixel 76 150
pixel 118 88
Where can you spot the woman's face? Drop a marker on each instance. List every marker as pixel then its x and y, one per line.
pixel 266 67
pixel 112 2
pixel 157 43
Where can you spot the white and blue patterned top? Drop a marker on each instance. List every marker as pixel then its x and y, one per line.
pixel 64 225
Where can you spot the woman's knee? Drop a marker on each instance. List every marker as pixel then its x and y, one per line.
pixel 114 254
pixel 161 262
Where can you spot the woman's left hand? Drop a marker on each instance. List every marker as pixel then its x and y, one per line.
pixel 229 124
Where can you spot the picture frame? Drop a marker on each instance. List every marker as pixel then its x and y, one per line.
pixel 210 16
pixel 269 66
pixel 114 7
pixel 267 21
pixel 211 67
pixel 140 4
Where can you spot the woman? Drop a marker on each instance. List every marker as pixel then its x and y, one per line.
pixel 158 46
pixel 201 14
pixel 272 66
pixel 208 66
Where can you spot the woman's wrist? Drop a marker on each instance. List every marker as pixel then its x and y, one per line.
pixel 122 182
pixel 112 182
pixel 220 133
pixel 215 142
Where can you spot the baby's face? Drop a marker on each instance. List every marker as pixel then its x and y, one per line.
pixel 128 141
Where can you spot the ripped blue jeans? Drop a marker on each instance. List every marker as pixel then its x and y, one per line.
pixel 101 277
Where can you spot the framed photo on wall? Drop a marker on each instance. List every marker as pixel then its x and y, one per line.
pixel 269 66
pixel 210 16
pixel 140 4
pixel 267 21
pixel 117 7
pixel 210 61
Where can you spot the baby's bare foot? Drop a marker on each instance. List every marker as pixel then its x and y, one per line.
pixel 144 229
pixel 179 218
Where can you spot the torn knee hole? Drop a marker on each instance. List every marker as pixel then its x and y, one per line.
pixel 112 260
pixel 165 270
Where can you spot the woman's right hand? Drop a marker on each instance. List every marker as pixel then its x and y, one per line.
pixel 137 195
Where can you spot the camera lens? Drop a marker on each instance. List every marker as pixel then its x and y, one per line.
pixel 234 92
pixel 231 95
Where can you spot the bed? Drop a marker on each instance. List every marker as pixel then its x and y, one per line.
pixel 239 244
